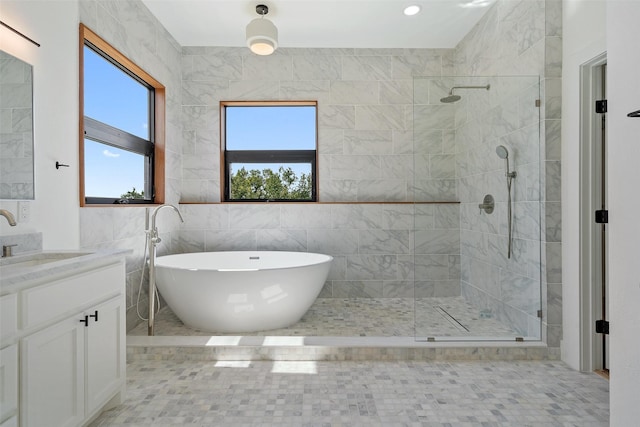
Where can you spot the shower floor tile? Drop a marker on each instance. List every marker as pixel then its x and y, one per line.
pixel 289 393
pixel 367 317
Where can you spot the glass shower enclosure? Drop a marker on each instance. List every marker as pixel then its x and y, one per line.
pixel 477 208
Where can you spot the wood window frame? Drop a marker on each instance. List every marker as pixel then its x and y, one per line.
pixel 263 156
pixel 158 119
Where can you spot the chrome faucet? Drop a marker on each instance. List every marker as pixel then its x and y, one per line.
pixel 154 230
pixel 5 213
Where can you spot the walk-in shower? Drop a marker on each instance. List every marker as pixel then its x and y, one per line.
pixel 484 275
pixel 455 98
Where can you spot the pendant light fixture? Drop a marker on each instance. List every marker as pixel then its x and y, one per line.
pixel 262 34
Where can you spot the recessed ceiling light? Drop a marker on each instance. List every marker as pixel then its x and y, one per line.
pixel 411 10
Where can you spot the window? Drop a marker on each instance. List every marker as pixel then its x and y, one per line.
pixel 122 128
pixel 269 150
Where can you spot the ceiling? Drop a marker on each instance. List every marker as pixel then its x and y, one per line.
pixel 322 23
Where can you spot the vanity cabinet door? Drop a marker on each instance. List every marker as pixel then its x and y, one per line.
pixel 8 381
pixel 106 340
pixel 52 374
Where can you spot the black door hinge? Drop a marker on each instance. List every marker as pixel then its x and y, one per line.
pixel 601 106
pixel 602 217
pixel 602 327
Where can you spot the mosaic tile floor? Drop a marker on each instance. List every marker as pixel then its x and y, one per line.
pixel 332 394
pixel 386 317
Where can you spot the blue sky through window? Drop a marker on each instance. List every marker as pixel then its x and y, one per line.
pixel 113 97
pixel 113 171
pixel 271 128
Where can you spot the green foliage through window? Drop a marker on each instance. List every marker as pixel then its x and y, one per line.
pixel 266 184
pixel 269 150
pixel 133 194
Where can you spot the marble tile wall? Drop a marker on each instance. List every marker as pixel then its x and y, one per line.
pixel 365 113
pixel 134 31
pixel 376 247
pixel 517 38
pixel 366 154
pixel 16 124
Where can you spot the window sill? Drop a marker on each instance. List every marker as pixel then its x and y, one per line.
pixel 324 203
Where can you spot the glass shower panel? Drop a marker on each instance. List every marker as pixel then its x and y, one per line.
pixel 477 222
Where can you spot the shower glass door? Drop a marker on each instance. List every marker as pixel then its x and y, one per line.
pixel 477 223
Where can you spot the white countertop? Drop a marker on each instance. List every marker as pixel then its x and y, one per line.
pixel 24 270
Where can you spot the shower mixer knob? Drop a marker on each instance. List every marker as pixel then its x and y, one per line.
pixel 487 204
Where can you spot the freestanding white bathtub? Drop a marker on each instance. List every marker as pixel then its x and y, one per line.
pixel 241 291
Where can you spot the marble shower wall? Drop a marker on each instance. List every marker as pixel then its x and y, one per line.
pixel 133 30
pixel 523 38
pixel 376 247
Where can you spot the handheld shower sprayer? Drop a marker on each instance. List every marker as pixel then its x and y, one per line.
pixel 503 153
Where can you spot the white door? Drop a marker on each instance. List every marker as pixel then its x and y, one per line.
pixel 593 218
pixel 105 352
pixel 601 241
pixel 52 374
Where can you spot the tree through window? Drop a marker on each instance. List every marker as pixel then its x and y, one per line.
pixel 269 151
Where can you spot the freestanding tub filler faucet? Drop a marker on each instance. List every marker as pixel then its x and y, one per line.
pixel 153 240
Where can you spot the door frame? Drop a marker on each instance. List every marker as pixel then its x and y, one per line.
pixel 590 266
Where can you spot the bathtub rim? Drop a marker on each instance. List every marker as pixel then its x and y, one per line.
pixel 158 261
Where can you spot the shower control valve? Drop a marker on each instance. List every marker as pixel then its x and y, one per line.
pixel 487 204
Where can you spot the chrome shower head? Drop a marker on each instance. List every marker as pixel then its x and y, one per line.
pixel 455 98
pixel 502 152
pixel 451 98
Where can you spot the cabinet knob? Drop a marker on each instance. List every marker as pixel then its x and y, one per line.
pixel 85 321
pixel 95 316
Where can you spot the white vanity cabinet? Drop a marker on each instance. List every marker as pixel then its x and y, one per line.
pixel 71 346
pixel 71 370
pixel 53 376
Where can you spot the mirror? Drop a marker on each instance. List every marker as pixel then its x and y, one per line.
pixel 16 128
